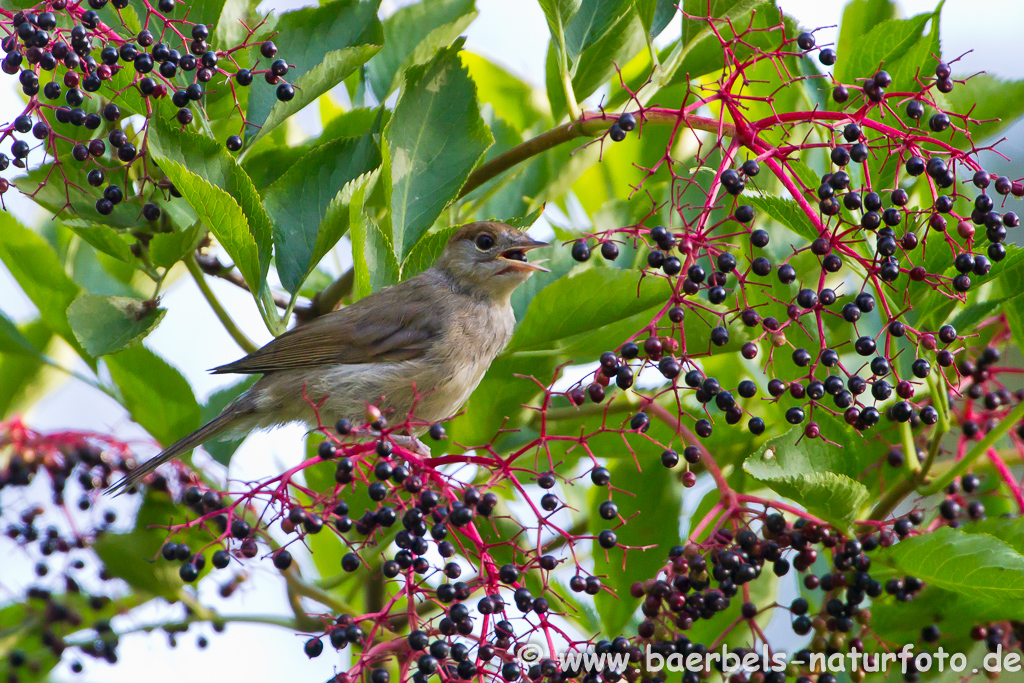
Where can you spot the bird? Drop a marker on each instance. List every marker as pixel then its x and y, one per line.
pixel 427 340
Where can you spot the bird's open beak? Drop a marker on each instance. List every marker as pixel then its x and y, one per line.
pixel 516 257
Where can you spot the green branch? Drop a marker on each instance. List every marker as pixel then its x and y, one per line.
pixel 918 472
pixel 236 333
pixel 979 449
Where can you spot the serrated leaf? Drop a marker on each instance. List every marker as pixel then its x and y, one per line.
pixel 966 319
pixel 814 473
pixel 107 324
pixel 889 41
pixel 411 36
pixel 702 51
pixel 12 340
pixel 103 238
pixel 919 60
pixel 1014 309
pixel 37 270
pixel 563 309
pixel 661 500
pixel 22 370
pixel 224 217
pixel 323 45
pixel 221 194
pixel 205 12
pixel 861 17
pixel 996 102
pixel 435 138
pixel 167 248
pixel 787 212
pixel 974 565
pixel 298 203
pixel 155 394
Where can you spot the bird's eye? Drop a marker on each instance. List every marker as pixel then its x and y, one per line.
pixel 484 242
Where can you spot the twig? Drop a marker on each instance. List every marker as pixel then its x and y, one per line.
pixel 243 341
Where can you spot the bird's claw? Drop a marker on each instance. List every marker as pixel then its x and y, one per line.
pixel 411 443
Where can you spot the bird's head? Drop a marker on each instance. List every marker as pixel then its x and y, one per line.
pixel 490 258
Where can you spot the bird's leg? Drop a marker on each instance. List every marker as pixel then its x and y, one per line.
pixel 411 443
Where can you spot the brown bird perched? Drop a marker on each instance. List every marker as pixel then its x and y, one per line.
pixel 434 334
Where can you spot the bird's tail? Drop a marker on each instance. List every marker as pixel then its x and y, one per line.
pixel 211 429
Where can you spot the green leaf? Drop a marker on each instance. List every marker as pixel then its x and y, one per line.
pixel 103 238
pixel 559 14
pixel 12 340
pixel 702 51
pixel 323 45
pixel 435 138
pixel 155 394
pixel 224 217
pixel 987 98
pixel 813 472
pixel 107 324
pixel 592 22
pixel 426 252
pixel 656 15
pixel 860 18
pixel 38 271
pixel 167 248
pixel 412 35
pixel 30 627
pixel 787 212
pixel 269 160
pixel 975 565
pixel 919 60
pixel 298 203
pixel 889 40
pixel 22 371
pixel 222 448
pixel 967 318
pixel 559 311
pixel 661 499
pixel 513 100
pixel 617 46
pixel 205 12
pixel 221 194
pixel 373 256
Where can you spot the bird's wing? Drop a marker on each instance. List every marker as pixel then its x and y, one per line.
pixel 393 324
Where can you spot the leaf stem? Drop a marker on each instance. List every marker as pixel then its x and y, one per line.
pixel 906 485
pixel 909 450
pixel 563 71
pixel 979 449
pixel 243 341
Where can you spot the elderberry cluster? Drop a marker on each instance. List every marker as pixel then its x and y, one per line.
pixel 870 240
pixel 84 80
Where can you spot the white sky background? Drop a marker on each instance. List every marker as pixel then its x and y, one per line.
pixel 512 33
